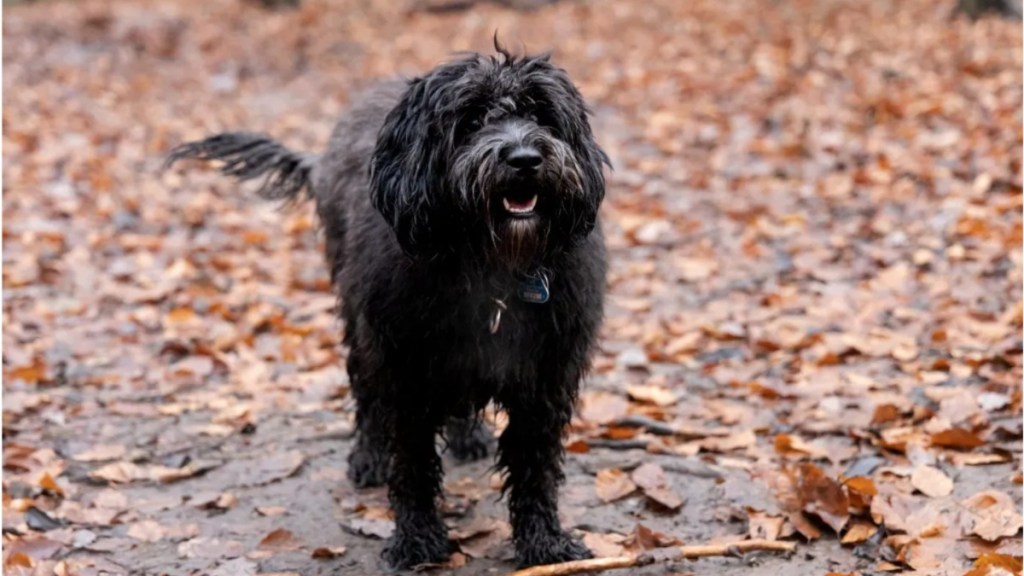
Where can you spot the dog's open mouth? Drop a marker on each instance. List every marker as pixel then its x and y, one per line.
pixel 520 205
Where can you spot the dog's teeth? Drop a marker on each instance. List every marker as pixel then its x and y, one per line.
pixel 520 208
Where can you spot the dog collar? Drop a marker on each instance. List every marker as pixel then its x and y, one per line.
pixel 532 289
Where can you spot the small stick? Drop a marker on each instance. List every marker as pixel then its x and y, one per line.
pixel 628 444
pixel 650 424
pixel 697 551
pixel 659 428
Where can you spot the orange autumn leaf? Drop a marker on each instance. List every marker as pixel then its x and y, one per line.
pixel 956 438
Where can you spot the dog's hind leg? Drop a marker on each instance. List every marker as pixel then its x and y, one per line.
pixel 413 489
pixel 369 461
pixel 469 438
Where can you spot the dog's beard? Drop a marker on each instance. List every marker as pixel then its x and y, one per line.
pixel 519 242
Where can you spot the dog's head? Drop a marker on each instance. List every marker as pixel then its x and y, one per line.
pixel 489 153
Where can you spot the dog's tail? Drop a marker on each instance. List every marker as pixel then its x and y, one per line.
pixel 247 156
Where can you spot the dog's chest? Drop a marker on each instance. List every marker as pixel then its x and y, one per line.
pixel 492 345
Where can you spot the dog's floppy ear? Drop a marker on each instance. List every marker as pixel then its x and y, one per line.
pixel 404 171
pixel 592 160
pixel 572 118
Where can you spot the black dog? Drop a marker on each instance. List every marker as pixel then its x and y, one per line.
pixel 460 210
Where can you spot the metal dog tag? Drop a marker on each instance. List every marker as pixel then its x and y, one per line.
pixel 534 289
pixel 499 306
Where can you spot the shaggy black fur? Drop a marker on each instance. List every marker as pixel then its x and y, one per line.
pixel 425 195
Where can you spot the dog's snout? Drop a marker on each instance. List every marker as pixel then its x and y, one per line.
pixel 524 158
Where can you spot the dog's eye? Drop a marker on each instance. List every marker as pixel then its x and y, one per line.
pixel 468 125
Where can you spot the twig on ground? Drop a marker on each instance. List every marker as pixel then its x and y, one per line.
pixel 611 444
pixel 630 561
pixel 651 425
pixel 659 428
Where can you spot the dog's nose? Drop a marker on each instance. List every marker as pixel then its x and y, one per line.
pixel 524 159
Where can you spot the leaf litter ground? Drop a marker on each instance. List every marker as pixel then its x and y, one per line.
pixel 814 322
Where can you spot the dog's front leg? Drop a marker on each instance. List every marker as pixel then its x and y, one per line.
pixel 530 450
pixel 413 488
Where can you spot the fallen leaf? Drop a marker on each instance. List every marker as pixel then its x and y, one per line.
pixel 1011 564
pixel 788 445
pixel 223 501
pixel 210 548
pixel 650 477
pixel 858 531
pixel 29 549
pixel 579 446
pixel 743 439
pixel 18 559
pixel 823 497
pixel 613 484
pixel 931 481
pixel 979 459
pixel 695 269
pixel 146 530
pixel 652 395
pixel 101 452
pixel 994 515
pixel 892 510
pixel 761 525
pixel 279 540
pixel 270 510
pixel 180 316
pixel 166 474
pixel 601 407
pixel 328 553
pixel 604 545
pixel 120 472
pixel 644 538
pixel 181 531
pixel 861 490
pixel 665 497
pixel 886 413
pixel 30 373
pixel 478 526
pixel 482 536
pixel 46 482
pixel 956 438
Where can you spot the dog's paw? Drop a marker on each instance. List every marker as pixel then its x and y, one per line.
pixel 552 549
pixel 367 468
pixel 469 441
pixel 406 550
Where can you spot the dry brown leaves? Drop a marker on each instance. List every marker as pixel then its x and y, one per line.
pixel 650 478
pixel 814 228
pixel 613 484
